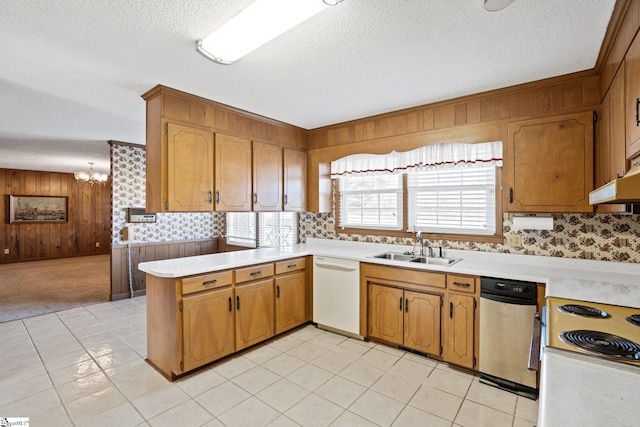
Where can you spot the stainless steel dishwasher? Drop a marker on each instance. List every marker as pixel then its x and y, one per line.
pixel 507 310
pixel 336 295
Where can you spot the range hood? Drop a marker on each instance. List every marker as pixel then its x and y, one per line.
pixel 621 190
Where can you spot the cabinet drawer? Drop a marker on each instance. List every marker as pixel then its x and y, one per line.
pixel 461 283
pixel 206 281
pixel 289 265
pixel 254 272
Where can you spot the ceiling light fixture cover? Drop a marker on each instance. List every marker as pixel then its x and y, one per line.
pixel 91 177
pixel 496 5
pixel 260 22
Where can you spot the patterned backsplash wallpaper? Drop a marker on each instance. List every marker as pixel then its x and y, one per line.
pixel 128 169
pixel 585 236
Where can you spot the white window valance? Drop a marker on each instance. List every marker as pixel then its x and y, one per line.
pixel 448 154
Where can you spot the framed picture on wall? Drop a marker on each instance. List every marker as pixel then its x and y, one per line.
pixel 32 209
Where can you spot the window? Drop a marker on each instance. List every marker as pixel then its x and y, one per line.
pixel 273 229
pixel 458 200
pixel 241 229
pixel 371 201
pixel 447 188
pixel 277 229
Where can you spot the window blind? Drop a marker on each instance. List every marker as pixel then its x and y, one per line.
pixel 241 229
pixel 460 200
pixel 371 201
pixel 277 229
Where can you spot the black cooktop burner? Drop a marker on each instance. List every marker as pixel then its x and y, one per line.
pixel 583 310
pixel 602 343
pixel 634 319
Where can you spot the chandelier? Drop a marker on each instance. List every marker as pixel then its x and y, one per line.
pixel 91 177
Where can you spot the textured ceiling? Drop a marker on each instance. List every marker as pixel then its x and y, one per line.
pixel 72 71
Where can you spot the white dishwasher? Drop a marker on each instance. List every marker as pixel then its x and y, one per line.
pixel 336 295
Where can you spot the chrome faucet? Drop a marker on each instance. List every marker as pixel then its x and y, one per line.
pixel 420 240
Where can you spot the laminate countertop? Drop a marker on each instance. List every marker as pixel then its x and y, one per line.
pixel 583 280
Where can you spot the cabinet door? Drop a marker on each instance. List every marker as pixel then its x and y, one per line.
pixel 291 301
pixel 550 164
pixel 233 174
pixel 458 345
pixel 386 307
pixel 632 97
pixel 190 169
pixel 422 322
pixel 254 313
pixel 295 180
pixel 267 177
pixel 207 327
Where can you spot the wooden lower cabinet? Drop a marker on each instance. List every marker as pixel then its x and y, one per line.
pixel 459 330
pixel 254 312
pixel 207 327
pixel 407 318
pixel 291 301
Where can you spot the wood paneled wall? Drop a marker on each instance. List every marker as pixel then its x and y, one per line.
pixel 141 252
pixel 89 218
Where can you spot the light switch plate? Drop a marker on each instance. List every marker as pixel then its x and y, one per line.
pixel 513 239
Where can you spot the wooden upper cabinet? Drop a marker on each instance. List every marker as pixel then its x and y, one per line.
pixel 295 180
pixel 267 177
pixel 550 164
pixel 632 98
pixel 189 169
pixel 232 174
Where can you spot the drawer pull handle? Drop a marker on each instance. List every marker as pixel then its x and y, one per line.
pixel 210 282
pixel 292 265
pixel 256 273
pixel 463 284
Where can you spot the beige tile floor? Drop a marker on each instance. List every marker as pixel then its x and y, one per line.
pixel 85 367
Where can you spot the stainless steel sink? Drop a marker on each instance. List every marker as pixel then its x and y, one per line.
pixel 395 256
pixel 445 262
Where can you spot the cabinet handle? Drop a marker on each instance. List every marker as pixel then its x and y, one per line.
pixel 217 196
pixel 255 273
pixel 277 291
pixel 210 196
pixel 230 305
pixel 401 303
pixel 637 114
pixel 450 310
pixel 286 200
pixel 210 282
pixel 292 265
pixel 510 195
pixel 237 302
pixel 406 305
pixel 464 285
pixel 255 197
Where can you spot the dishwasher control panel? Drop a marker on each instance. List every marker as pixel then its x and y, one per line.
pixel 508 288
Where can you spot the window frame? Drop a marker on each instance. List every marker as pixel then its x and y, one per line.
pixel 480 238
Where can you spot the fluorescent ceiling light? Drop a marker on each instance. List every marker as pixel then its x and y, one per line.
pixel 260 22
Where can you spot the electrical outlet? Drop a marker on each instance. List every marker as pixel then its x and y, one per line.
pixel 330 227
pixel 6 251
pixel 513 239
pixel 97 244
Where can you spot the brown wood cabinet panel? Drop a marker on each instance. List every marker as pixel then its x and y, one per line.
pixel 461 283
pixel 253 272
pixel 385 313
pixel 290 265
pixel 254 313
pixel 550 164
pixel 291 301
pixel 176 108
pixel 267 177
pixel 632 85
pixel 206 282
pixel 422 322
pixel 418 277
pixel 207 327
pixel 295 180
pixel 458 331
pixel 232 174
pixel 189 169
